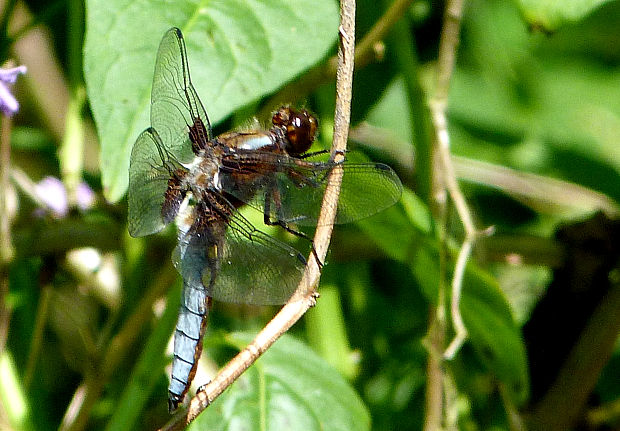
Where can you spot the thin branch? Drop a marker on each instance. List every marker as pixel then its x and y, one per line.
pixel 457 281
pixel 581 369
pixel 433 398
pixel 445 66
pixel 37 334
pixel 294 310
pixel 7 251
pixel 71 152
pixel 6 246
pixel 438 110
pixel 444 179
pixel 367 51
pixel 448 45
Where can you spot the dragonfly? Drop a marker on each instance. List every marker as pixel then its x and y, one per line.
pixel 179 171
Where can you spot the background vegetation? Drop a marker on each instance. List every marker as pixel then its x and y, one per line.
pixel 534 118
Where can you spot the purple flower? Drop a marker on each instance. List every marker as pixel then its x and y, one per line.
pixel 53 194
pixel 85 196
pixel 8 103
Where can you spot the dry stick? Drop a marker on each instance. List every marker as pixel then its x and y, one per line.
pixel 445 66
pixel 6 246
pixel 365 52
pixel 292 311
pixel 446 181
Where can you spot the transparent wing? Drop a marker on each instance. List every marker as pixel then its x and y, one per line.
pixel 175 105
pixel 291 189
pixel 255 267
pixel 251 267
pixel 149 171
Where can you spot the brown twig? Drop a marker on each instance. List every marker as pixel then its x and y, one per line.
pixel 445 66
pixel 6 245
pixel 293 311
pixel 444 181
pixel 365 53
pixel 581 369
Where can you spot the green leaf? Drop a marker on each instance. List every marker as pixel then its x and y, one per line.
pixel 386 228
pixel 15 405
pixel 239 51
pixel 549 15
pixel 493 332
pixel 289 387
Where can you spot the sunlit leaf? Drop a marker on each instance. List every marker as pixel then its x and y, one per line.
pixel 289 387
pixel 551 14
pixel 494 333
pixel 239 50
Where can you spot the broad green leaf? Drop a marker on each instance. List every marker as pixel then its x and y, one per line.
pixel 239 51
pixel 551 14
pixel 494 333
pixel 397 231
pixel 290 387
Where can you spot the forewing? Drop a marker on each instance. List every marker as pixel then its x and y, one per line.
pixel 174 102
pixel 293 189
pixel 367 188
pixel 149 171
pixel 252 267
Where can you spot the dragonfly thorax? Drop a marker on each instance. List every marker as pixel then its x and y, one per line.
pixel 204 174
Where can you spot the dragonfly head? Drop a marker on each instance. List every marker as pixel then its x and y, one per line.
pixel 299 127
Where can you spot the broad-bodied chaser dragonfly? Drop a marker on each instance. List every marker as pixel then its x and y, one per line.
pixel 180 171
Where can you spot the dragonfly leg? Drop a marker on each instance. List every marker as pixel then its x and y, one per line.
pixel 297 233
pixel 312 154
pixel 173 402
pixel 202 389
pixel 279 222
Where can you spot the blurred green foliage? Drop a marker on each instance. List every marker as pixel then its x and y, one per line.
pixel 535 90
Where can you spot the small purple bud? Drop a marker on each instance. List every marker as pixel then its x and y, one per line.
pixel 85 196
pixel 54 195
pixel 8 103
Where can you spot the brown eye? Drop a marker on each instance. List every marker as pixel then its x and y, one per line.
pixel 291 134
pixel 299 127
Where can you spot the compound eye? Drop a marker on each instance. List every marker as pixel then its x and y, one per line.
pixel 292 135
pixel 304 134
pixel 299 126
